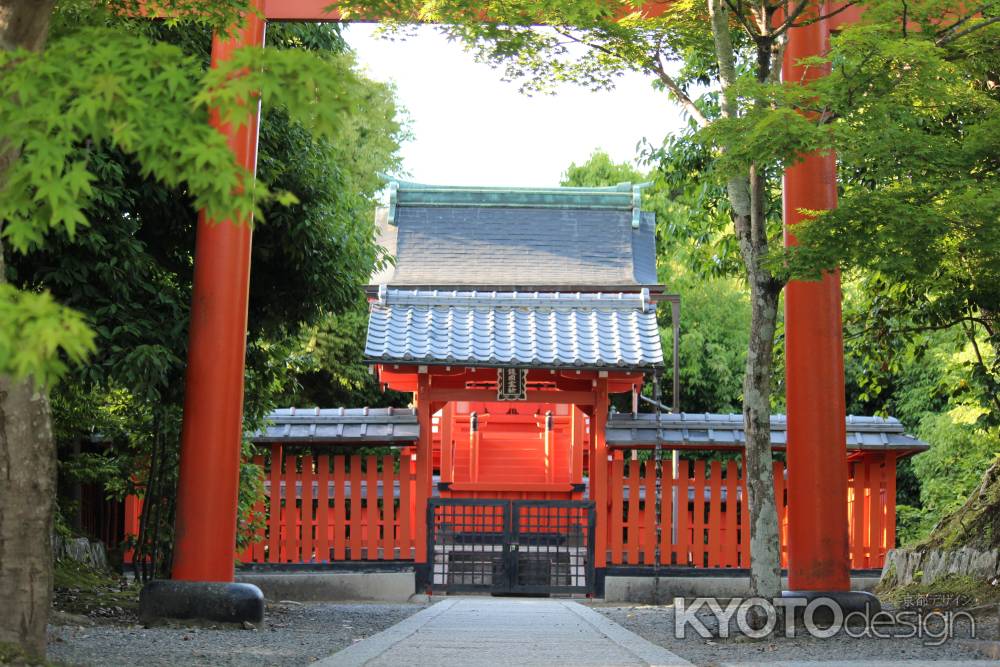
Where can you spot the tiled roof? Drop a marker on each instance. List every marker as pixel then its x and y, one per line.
pixel 712 430
pixel 399 425
pixel 384 425
pixel 509 238
pixel 549 330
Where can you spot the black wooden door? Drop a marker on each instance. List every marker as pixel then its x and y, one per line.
pixel 511 546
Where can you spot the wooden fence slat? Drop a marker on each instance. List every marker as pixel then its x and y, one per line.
pixel 260 516
pixel 323 510
pixel 339 507
pixel 405 506
pixel 744 516
pixel 778 471
pixel 858 559
pixel 666 505
pixel 649 514
pixel 355 522
pixel 698 535
pixel 730 557
pixel 683 517
pixel 616 482
pixel 634 515
pixel 274 501
pixel 715 515
pixel 371 509
pixel 579 444
pixel 308 477
pixel 890 504
pixel 875 473
pixel 291 552
pixel 388 513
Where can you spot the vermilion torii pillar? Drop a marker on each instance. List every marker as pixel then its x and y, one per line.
pixel 213 401
pixel 212 431
pixel 814 357
pixel 211 437
pixel 818 559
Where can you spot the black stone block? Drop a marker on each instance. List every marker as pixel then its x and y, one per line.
pixel 224 602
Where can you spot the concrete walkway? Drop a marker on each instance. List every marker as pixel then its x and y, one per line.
pixel 504 631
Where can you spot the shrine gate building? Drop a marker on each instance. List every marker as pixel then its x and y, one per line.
pixel 514 317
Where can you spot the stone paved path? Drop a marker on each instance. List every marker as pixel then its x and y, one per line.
pixel 504 631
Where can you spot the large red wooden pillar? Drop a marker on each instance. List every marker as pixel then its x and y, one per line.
pixel 817 453
pixel 213 403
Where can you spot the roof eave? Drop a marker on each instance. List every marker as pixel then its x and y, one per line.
pixel 657 292
pixel 472 363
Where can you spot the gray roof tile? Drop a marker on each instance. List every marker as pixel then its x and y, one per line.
pixel 624 430
pixel 557 330
pixel 377 425
pixel 399 425
pixel 517 248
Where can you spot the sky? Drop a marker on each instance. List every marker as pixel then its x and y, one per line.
pixel 471 128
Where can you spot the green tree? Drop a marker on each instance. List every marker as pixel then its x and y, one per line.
pixel 600 170
pixel 131 275
pixel 916 232
pixel 715 311
pixel 329 365
pixel 104 100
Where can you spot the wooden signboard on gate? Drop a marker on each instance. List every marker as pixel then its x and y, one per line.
pixel 512 384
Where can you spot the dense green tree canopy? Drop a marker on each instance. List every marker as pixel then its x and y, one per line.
pixel 715 311
pixel 129 273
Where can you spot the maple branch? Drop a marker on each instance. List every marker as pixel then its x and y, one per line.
pixel 656 65
pixel 742 19
pixel 824 17
pixel 796 13
pixel 961 33
pixel 965 19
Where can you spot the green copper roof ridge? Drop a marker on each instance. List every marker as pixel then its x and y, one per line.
pixel 623 188
pixel 624 196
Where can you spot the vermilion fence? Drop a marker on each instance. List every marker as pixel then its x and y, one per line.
pixel 333 507
pixel 699 518
pixel 320 507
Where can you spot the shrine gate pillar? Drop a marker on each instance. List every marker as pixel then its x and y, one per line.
pixel 599 473
pixel 205 539
pixel 818 563
pixel 425 474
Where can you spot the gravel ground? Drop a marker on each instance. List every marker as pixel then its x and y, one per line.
pixel 292 634
pixel 656 624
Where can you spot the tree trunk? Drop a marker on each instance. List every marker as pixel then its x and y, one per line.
pixel 747 200
pixel 765 560
pixel 765 544
pixel 27 448
pixel 27 502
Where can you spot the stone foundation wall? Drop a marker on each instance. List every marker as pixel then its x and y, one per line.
pixel 903 566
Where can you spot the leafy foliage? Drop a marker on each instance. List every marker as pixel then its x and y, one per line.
pixel 715 311
pixel 130 270
pixel 912 113
pixel 41 333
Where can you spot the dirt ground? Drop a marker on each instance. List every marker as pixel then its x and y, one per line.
pixel 292 634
